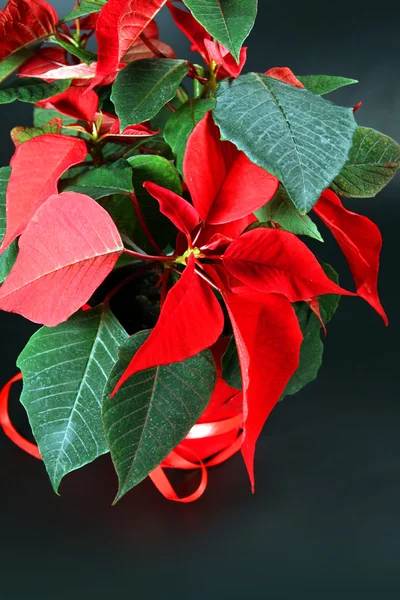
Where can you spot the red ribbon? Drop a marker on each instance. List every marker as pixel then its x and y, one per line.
pixel 216 437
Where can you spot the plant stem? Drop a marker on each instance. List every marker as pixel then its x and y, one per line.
pixel 143 225
pixel 148 256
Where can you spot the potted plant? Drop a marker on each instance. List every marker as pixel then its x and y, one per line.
pixel 154 221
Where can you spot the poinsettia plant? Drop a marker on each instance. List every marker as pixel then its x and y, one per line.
pixel 155 221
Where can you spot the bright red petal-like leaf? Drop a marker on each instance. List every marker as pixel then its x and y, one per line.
pixel 80 71
pixel 44 60
pixel 268 339
pixel 178 210
pixel 191 28
pixel 361 243
pixel 140 50
pixel 275 261
pixel 119 24
pixel 224 184
pixel 65 253
pixel 77 102
pixel 23 22
pixel 228 66
pixel 230 230
pixel 113 132
pixel 190 321
pixel 46 157
pixel 286 75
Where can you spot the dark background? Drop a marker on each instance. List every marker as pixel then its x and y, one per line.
pixel 325 517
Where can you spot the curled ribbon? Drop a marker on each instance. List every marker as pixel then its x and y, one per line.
pixel 212 440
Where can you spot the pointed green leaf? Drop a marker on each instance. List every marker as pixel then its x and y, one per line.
pixel 158 170
pixel 153 411
pixel 373 161
pixel 86 7
pixel 8 257
pixel 65 371
pixel 312 347
pixel 103 181
pixel 297 136
pixel 324 84
pixel 228 21
pixel 14 61
pixel 83 55
pixel 144 87
pixel 31 90
pixel 282 211
pixel 181 124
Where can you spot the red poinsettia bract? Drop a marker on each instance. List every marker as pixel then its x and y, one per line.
pixel 257 274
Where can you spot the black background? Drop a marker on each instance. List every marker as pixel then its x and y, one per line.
pixel 325 517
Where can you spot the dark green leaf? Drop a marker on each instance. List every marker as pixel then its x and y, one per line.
pixel 41 116
pixel 181 124
pixel 373 161
pixel 86 7
pixel 153 411
pixel 297 136
pixel 14 61
pixel 231 366
pixel 312 347
pixel 158 170
pixel 8 257
pixel 103 181
pixel 144 87
pixel 323 84
pixel 311 350
pixel 282 211
pixel 65 371
pixel 228 21
pixel 83 55
pixel 120 208
pixel 31 90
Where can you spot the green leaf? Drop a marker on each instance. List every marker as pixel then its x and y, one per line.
pixel 41 116
pixel 231 366
pixel 83 55
pixel 120 208
pixel 312 348
pixel 144 87
pixel 297 136
pixel 86 7
pixel 373 161
pixel 21 134
pixel 228 21
pixel 158 170
pixel 65 371
pixel 323 84
pixel 181 124
pixel 14 61
pixel 153 411
pixel 103 181
pixel 31 90
pixel 8 257
pixel 282 211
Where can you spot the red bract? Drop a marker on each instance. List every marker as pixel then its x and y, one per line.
pixel 24 22
pixel 119 24
pixel 65 253
pixel 202 42
pixel 48 157
pixel 284 74
pixel 361 243
pixel 224 184
pixel 190 307
pixel 274 261
pixel 268 340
